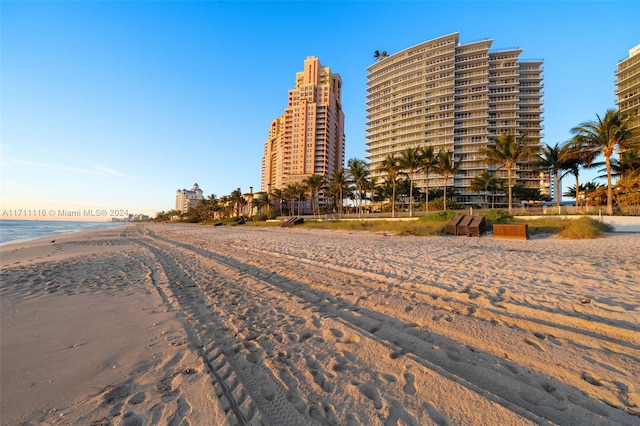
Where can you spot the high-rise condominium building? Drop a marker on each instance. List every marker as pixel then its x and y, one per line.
pixel 628 87
pixel 309 137
pixel 454 97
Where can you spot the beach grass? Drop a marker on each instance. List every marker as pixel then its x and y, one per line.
pixel 435 224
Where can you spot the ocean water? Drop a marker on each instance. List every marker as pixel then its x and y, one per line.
pixel 24 230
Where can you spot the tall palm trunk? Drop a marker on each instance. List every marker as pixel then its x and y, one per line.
pixel 393 200
pixel 445 193
pixel 556 179
pixel 607 160
pixel 509 189
pixel 411 195
pixel 577 189
pixel 426 192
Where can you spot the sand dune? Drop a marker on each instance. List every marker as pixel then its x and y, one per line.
pixel 170 324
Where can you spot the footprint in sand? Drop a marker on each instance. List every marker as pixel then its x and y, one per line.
pixel 114 395
pixel 371 391
pixel 534 344
pixel 320 379
pixel 317 414
pixel 317 323
pixel 132 419
pixel 296 400
pixel 137 398
pixel 409 387
pixel 591 378
pixel 337 333
pixel 184 409
pixel 627 393
pixel 268 391
pixel 438 418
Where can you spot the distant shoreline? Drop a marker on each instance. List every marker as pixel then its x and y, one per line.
pixel 14 231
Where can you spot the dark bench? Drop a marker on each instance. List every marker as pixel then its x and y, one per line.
pixel 296 220
pixel 462 228
pixel 477 227
pixel 453 223
pixel 511 231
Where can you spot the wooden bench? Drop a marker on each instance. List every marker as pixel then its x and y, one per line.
pixel 453 223
pixel 477 227
pixel 462 228
pixel 511 231
pixel 296 220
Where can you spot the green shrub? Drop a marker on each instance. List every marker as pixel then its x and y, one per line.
pixel 441 216
pixel 584 227
pixel 498 216
pixel 413 227
pixel 547 225
pixel 438 204
pixel 230 220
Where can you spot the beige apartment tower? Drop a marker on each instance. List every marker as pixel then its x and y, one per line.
pixel 628 87
pixel 188 199
pixel 309 137
pixel 454 97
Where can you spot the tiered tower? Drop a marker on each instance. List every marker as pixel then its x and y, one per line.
pixel 454 97
pixel 309 137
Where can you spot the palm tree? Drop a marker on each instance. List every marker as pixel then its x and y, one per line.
pixel 584 191
pixel 296 191
pixel 238 200
pixel 211 203
pixel 554 160
pixel 507 152
pixel 575 158
pixel 339 184
pixel 302 192
pixel 428 161
pixel 378 55
pixel 604 136
pixel 290 193
pixel 411 161
pixel 280 196
pixel 485 181
pixel 314 183
pixel 627 165
pixel 258 204
pixel 391 167
pixel 358 173
pixel 377 188
pixel 446 166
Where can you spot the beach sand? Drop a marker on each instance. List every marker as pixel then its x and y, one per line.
pixel 173 324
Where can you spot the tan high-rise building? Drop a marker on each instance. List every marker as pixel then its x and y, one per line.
pixel 309 137
pixel 188 199
pixel 454 97
pixel 628 87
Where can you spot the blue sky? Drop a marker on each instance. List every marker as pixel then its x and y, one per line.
pixel 116 105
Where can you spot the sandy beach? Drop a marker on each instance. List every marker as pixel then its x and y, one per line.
pixel 192 325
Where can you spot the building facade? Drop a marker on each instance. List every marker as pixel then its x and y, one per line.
pixel 308 138
pixel 188 199
pixel 454 97
pixel 628 87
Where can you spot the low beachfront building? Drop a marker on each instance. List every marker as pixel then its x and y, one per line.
pixel 187 199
